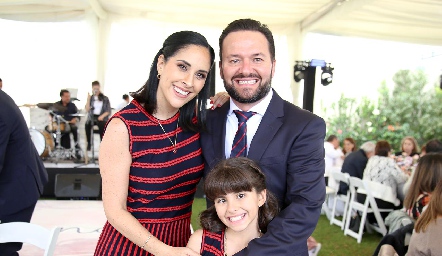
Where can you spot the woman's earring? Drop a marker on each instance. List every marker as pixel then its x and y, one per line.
pixel 158 76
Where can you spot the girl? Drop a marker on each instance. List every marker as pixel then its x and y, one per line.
pixel 241 212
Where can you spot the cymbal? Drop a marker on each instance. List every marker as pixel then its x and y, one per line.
pixel 28 105
pixel 52 106
pixel 77 114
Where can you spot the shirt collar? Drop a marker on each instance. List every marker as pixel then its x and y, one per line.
pixel 259 108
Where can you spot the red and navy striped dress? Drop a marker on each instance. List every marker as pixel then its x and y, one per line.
pixel 212 243
pixel 162 184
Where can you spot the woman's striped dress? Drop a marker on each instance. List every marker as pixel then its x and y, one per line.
pixel 162 183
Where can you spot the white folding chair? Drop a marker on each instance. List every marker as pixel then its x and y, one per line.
pixel 345 199
pixel 369 206
pixel 24 232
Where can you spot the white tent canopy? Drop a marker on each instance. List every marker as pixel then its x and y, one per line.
pixel 414 21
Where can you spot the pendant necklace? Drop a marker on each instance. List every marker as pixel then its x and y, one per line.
pixel 176 134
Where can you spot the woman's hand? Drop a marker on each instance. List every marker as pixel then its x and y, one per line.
pixel 219 99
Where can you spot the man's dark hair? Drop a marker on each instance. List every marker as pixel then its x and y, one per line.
pixel 95 83
pixel 248 25
pixel 125 96
pixel 331 138
pixel 434 145
pixel 63 91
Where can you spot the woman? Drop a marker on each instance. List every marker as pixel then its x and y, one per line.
pixel 349 146
pixel 382 168
pixel 99 106
pixel 428 229
pixel 427 174
pixel 409 147
pixel 150 157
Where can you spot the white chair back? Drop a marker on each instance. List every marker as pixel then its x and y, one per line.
pixel 24 232
pixel 345 199
pixel 369 206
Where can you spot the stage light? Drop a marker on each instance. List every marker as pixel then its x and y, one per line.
pixel 299 70
pixel 327 74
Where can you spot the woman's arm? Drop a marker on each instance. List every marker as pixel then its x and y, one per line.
pixel 115 162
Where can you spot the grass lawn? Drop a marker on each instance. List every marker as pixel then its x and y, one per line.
pixel 332 238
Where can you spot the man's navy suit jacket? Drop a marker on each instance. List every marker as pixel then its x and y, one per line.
pixel 22 173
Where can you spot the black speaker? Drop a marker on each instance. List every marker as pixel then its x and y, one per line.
pixel 78 185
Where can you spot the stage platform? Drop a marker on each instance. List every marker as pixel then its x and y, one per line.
pixel 81 221
pixel 72 180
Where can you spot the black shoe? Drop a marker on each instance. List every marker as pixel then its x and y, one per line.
pixel 355 222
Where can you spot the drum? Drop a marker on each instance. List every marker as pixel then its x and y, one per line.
pixel 43 141
pixel 64 127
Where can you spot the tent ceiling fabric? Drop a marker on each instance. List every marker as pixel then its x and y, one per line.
pixel 416 21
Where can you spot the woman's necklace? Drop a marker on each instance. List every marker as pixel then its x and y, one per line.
pixel 225 240
pixel 176 134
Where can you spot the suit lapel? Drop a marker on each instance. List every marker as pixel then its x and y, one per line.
pixel 268 127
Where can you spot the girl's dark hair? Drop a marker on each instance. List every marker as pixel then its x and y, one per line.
pixel 382 148
pixel 427 174
pixel 232 176
pixel 148 93
pixel 248 25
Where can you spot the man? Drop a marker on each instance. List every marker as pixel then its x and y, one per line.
pixel 333 153
pixel 286 141
pixel 99 108
pixel 124 102
pixel 1 84
pixel 22 174
pixel 354 164
pixel 67 109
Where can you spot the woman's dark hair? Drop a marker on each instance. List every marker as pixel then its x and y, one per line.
pixel 382 148
pixel 148 93
pixel 248 25
pixel 427 174
pixel 433 211
pixel 232 176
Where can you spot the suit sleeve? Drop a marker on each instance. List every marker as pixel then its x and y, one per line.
pixel 287 234
pixel 4 138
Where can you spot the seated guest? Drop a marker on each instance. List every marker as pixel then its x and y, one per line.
pixel 409 147
pixel 432 146
pixel 426 176
pixel 333 153
pixel 428 229
pixel 349 147
pixel 383 169
pixel 355 163
pixel 66 112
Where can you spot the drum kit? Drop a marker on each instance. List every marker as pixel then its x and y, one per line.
pixel 48 141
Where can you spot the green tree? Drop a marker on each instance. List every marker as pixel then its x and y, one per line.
pixel 407 110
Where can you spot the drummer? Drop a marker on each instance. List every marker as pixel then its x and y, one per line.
pixel 67 110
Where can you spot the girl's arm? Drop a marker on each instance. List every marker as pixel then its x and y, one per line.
pixel 195 240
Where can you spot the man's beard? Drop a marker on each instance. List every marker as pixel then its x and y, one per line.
pixel 262 90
